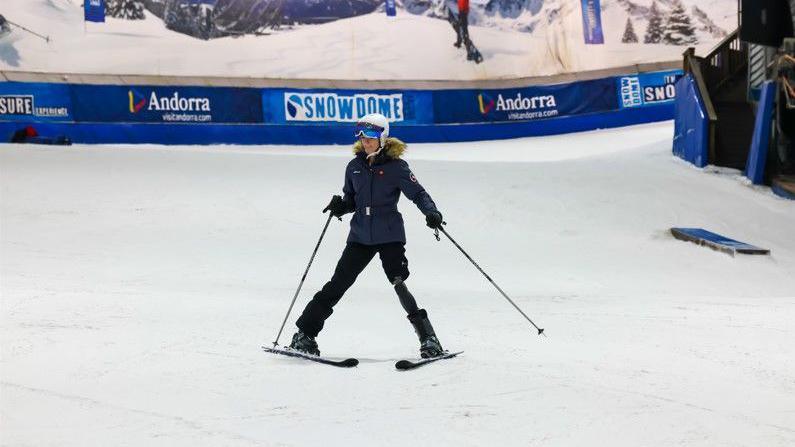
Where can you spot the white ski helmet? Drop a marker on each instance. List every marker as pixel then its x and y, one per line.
pixel 373 125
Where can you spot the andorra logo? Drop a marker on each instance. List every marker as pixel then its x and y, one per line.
pixel 294 103
pixel 137 101
pixel 486 103
pixel 167 103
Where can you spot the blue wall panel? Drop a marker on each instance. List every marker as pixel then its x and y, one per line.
pixel 140 133
pixel 691 125
pixel 763 126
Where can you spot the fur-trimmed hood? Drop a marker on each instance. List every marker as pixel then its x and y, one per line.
pixel 393 148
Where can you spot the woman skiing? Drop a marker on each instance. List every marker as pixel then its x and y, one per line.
pixel 374 180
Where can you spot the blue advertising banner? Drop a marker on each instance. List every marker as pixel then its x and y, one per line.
pixel 123 104
pixel 20 101
pixel 94 10
pixel 202 115
pixel 326 107
pixel 524 104
pixel 647 89
pixel 592 22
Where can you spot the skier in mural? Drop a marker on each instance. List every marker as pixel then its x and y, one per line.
pixel 462 33
pixel 460 22
pixel 374 180
pixel 5 28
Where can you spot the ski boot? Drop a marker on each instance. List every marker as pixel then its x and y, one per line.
pixel 429 344
pixel 430 347
pixel 472 53
pixel 304 343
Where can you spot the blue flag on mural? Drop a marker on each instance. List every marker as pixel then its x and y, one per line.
pixel 391 11
pixel 95 10
pixel 592 22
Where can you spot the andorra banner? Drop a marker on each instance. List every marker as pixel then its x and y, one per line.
pixel 172 105
pixel 363 40
pixel 525 104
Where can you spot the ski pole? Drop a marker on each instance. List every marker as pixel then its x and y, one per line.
pixel 47 38
pixel 276 342
pixel 540 330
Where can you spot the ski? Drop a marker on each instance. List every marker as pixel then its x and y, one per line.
pixel 347 363
pixel 405 365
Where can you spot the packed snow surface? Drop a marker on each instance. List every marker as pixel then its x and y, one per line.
pixel 138 284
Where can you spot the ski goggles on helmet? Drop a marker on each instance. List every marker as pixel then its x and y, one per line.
pixel 368 130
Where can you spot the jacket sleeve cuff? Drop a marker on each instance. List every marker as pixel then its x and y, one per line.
pixel 350 206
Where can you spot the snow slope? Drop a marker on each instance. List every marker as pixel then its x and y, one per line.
pixel 369 47
pixel 138 283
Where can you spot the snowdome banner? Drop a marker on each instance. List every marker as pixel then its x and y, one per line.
pixel 345 106
pixel 357 40
pixel 647 89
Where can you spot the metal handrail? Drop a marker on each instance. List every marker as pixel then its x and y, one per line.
pixel 728 59
pixel 693 67
pixel 734 35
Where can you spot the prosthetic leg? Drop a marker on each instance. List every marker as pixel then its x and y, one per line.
pixel 429 344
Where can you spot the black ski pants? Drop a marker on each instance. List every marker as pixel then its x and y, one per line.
pixel 354 259
pixel 463 27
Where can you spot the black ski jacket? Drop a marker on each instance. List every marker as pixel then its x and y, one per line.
pixel 372 193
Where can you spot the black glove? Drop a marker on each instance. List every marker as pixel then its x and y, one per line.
pixel 434 219
pixel 337 207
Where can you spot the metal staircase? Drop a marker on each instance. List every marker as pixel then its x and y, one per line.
pixel 723 78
